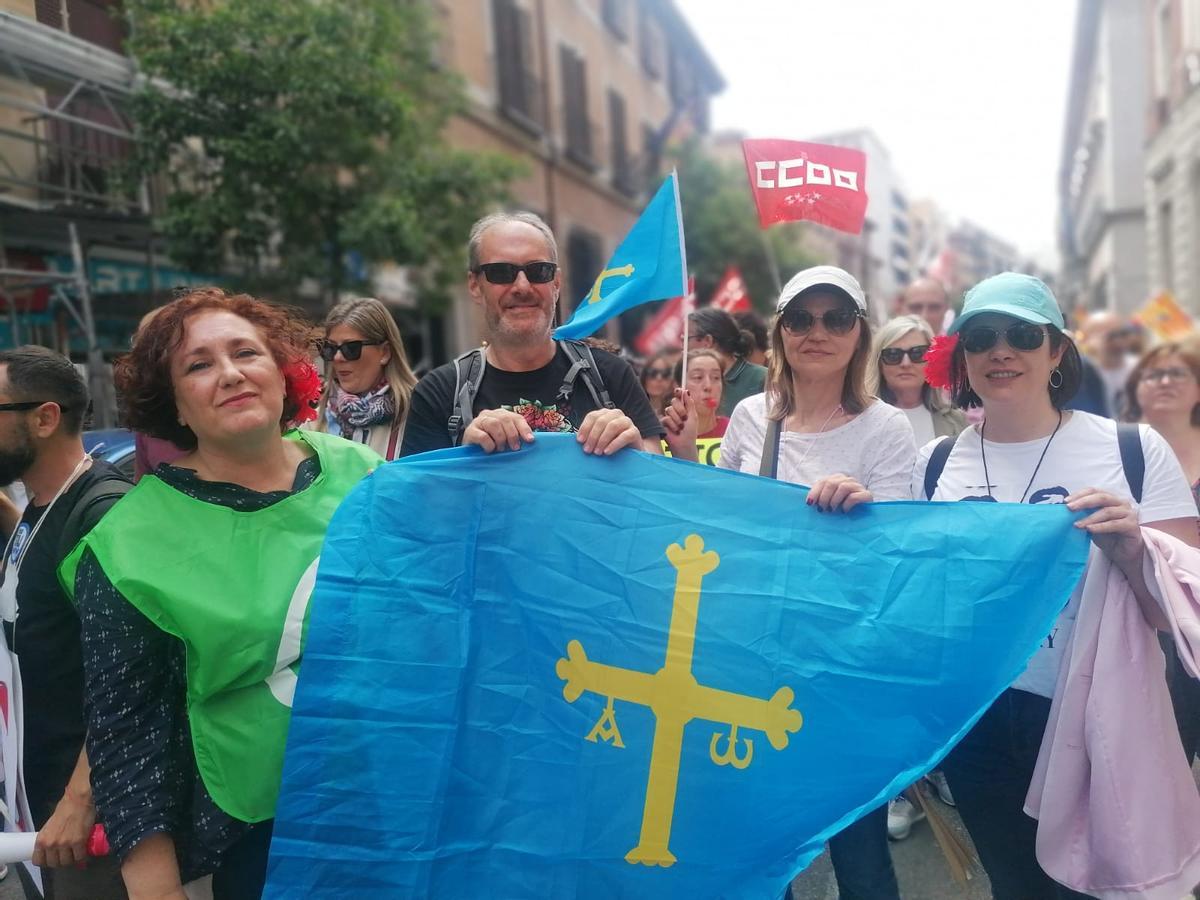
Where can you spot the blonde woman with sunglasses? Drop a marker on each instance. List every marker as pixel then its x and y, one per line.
pixel 368 383
pixel 898 378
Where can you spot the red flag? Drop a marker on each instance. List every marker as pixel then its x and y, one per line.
pixel 730 294
pixel 666 328
pixel 793 180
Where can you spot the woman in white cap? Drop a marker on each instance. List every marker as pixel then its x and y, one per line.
pixel 1009 353
pixel 816 424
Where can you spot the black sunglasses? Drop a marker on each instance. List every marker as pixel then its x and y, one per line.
pixel 836 321
pixel 506 273
pixel 1021 336
pixel 24 405
pixel 657 373
pixel 893 356
pixel 351 350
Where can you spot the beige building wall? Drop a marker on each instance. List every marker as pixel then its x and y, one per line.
pixel 581 202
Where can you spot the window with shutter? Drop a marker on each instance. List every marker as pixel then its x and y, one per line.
pixel 519 91
pixel 49 12
pixel 622 170
pixel 575 107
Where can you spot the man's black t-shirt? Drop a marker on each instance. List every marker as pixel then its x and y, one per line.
pixel 46 641
pixel 533 394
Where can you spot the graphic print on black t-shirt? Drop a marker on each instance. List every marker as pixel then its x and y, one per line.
pixel 537 392
pixel 540 417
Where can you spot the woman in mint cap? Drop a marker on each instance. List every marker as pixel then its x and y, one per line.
pixel 193 592
pixel 1009 353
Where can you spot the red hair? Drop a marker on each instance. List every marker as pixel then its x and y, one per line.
pixel 143 376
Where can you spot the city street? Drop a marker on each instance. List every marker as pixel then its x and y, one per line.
pixel 920 868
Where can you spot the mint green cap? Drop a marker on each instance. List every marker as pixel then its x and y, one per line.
pixel 1023 297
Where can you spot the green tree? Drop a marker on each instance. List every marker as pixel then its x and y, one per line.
pixel 721 226
pixel 297 135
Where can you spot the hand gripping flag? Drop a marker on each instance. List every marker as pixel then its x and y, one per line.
pixel 793 180
pixel 650 264
pixel 542 674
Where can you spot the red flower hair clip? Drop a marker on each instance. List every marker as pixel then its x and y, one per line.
pixel 937 360
pixel 303 390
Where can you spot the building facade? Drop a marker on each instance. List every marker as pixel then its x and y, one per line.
pixel 1173 150
pixel 587 94
pixel 1102 202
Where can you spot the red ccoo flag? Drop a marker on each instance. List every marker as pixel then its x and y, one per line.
pixel 666 328
pixel 793 180
pixel 730 294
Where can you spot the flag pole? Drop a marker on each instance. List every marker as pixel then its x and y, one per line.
pixel 769 253
pixel 688 300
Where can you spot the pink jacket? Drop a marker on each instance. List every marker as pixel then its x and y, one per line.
pixel 1117 808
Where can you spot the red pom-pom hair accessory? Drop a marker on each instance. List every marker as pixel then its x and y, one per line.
pixel 937 360
pixel 303 389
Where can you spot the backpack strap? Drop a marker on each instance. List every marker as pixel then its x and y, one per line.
pixel 110 488
pixel 583 363
pixel 1133 458
pixel 768 465
pixel 937 463
pixel 468 373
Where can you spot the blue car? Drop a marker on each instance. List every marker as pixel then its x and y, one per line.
pixel 114 445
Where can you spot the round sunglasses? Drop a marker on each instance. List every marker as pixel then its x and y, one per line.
pixel 1021 336
pixel 893 356
pixel 506 273
pixel 350 350
pixel 836 321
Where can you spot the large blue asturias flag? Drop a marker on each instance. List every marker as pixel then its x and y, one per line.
pixel 650 264
pixel 544 674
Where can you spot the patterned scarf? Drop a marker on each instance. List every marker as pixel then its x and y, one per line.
pixel 362 410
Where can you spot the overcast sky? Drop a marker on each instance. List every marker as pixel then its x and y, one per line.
pixel 967 96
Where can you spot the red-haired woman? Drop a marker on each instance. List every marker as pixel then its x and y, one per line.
pixel 194 590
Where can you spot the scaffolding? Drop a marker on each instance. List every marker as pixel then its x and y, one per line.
pixel 64 135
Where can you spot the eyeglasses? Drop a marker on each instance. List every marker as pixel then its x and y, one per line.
pixel 893 356
pixel 350 350
pixel 657 373
pixel 1021 336
pixel 1173 375
pixel 836 321
pixel 506 273
pixel 24 405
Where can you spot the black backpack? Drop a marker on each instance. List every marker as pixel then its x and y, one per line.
pixel 112 487
pixel 468 374
pixel 1129 443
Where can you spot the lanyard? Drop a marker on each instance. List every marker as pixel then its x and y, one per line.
pixel 15 564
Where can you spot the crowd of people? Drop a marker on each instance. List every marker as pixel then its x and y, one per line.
pixel 158 631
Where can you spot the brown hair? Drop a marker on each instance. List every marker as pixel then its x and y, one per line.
pixel 1184 350
pixel 781 390
pixel 143 376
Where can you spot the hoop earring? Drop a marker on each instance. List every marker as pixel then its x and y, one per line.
pixel 1056 384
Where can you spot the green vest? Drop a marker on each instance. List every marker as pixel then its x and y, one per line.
pixel 234 587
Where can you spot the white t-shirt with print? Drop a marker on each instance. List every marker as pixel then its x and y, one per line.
pixel 1083 454
pixel 875 448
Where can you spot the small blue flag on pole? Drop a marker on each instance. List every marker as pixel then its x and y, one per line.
pixel 650 264
pixel 649 679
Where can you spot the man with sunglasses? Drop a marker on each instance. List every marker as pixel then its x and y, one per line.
pixel 523 380
pixel 43 401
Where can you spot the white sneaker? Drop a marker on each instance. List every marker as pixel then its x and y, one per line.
pixel 938 781
pixel 902 815
pixel 3 872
